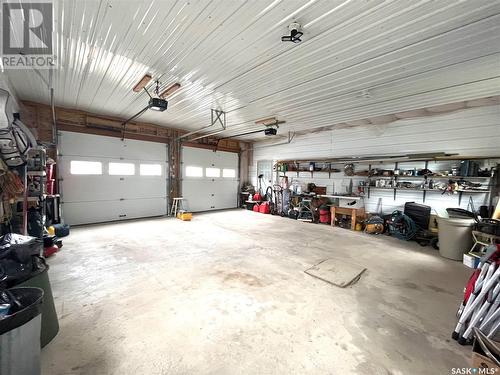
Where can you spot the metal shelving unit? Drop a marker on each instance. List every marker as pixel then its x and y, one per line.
pixel 283 166
pixel 35 184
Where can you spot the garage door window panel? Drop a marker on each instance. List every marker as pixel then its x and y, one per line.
pixel 85 167
pixel 193 171
pixel 121 169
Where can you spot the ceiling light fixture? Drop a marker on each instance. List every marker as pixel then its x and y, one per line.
pixel 170 90
pixel 266 121
pixel 271 121
pixel 295 33
pixel 142 83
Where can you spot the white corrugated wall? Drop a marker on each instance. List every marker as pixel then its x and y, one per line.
pixel 471 132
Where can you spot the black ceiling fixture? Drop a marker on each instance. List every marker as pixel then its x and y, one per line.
pixel 268 130
pixel 155 104
pixel 295 33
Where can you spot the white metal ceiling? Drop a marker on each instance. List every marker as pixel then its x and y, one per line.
pixel 359 58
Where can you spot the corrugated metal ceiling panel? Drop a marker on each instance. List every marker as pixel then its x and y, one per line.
pixel 228 55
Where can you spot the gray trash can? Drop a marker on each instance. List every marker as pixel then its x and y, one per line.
pixel 20 332
pixel 455 237
pixel 50 324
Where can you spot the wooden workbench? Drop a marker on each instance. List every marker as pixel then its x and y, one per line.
pixel 354 213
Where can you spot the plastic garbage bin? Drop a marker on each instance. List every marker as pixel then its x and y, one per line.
pixel 455 237
pixel 50 324
pixel 20 332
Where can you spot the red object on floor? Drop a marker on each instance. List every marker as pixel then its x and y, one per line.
pixel 257 197
pixel 50 250
pixel 255 207
pixel 264 208
pixel 324 216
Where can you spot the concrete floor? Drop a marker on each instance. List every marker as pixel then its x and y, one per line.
pixel 226 294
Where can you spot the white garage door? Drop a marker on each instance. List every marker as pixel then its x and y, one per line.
pixel 107 179
pixel 209 179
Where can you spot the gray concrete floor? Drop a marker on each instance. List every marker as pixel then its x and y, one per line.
pixel 226 294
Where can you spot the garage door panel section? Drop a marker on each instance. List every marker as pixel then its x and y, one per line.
pixel 209 179
pixel 91 212
pixel 137 208
pixel 197 156
pixel 226 159
pixel 105 179
pixel 197 194
pixel 79 144
pixel 97 212
pixel 84 187
pixel 88 187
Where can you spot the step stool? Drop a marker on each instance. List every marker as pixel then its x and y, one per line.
pixel 177 205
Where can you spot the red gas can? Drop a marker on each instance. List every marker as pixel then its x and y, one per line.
pixel 255 207
pixel 324 215
pixel 264 208
pixel 257 197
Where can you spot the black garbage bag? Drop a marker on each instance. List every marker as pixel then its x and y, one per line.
pixel 35 222
pixel 18 247
pixel 19 258
pixel 13 273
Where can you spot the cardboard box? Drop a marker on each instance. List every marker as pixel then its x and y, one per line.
pixel 481 360
pixel 471 260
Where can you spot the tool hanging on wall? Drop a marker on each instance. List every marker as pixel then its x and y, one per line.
pixel 258 193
